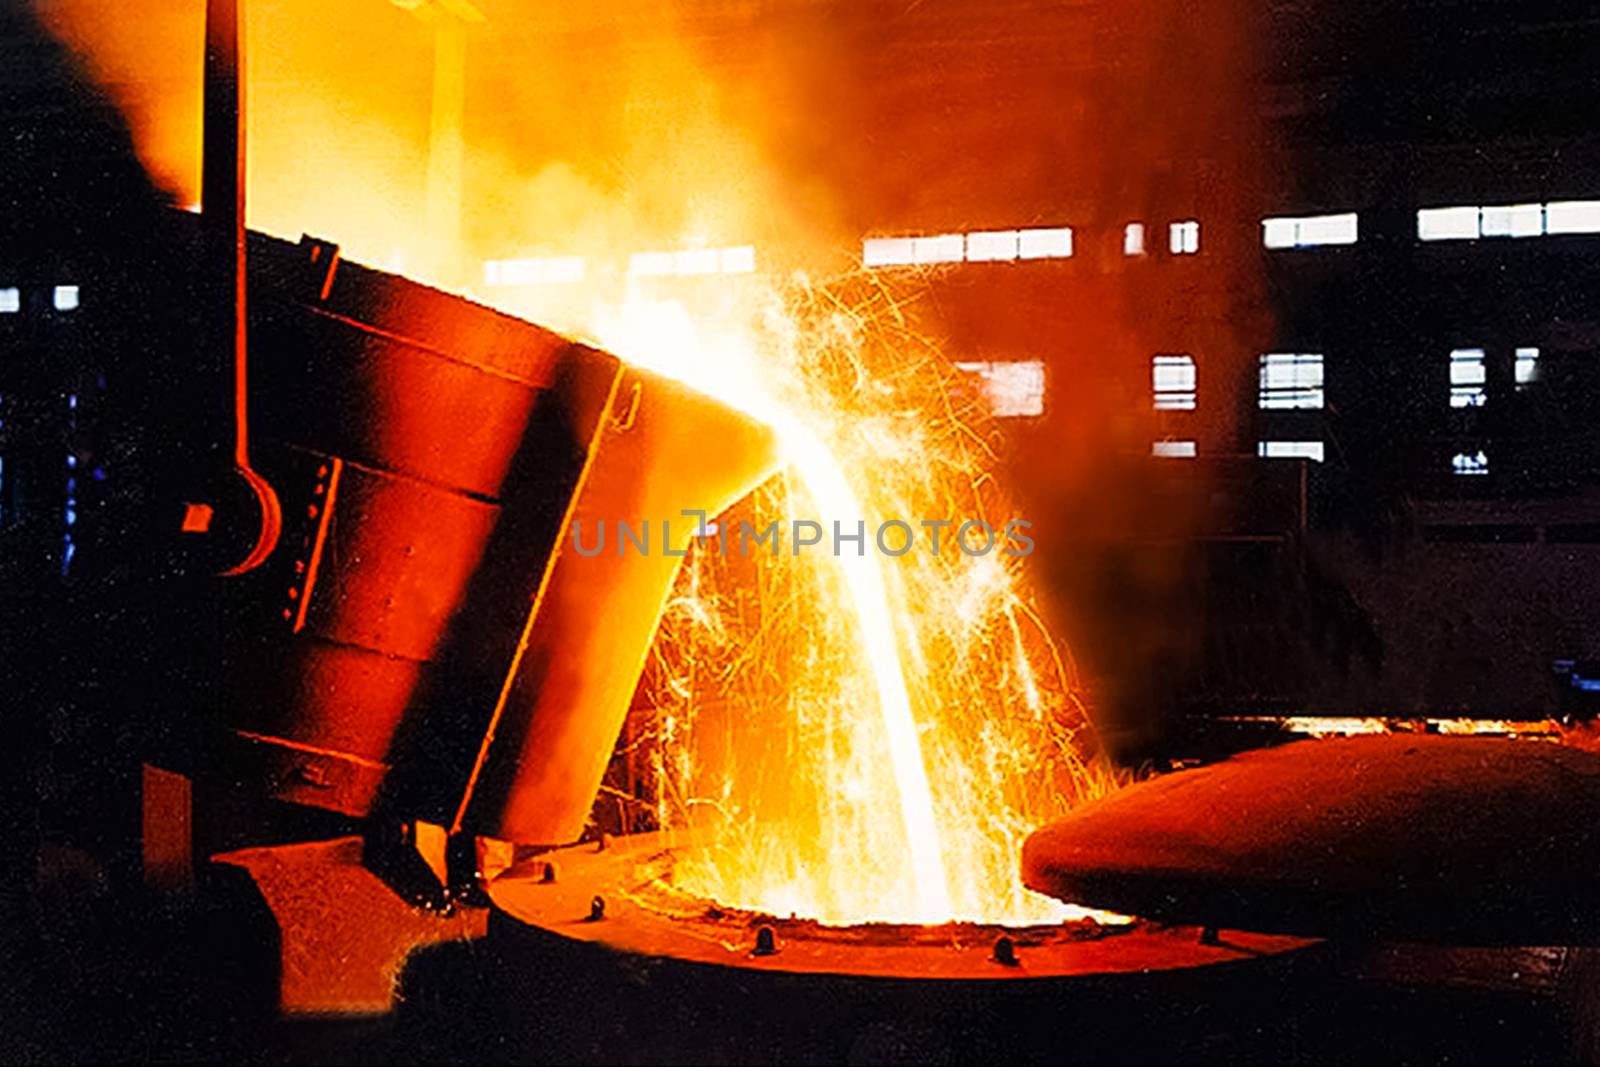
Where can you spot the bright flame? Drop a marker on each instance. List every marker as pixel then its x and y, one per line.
pixel 676 351
pixel 863 576
pixel 880 763
pixel 777 714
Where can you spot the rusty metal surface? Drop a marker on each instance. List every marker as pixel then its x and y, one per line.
pixel 344 937
pixel 393 418
pixel 1472 840
pixel 357 391
pixel 642 919
pixel 665 449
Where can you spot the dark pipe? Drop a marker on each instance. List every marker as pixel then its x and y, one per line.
pixel 223 299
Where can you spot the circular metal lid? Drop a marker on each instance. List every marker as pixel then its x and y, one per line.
pixel 1471 840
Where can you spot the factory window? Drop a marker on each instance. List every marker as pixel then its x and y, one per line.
pixel 1014 388
pixel 903 251
pixel 1054 243
pixel 1291 381
pixel 991 246
pixel 1133 239
pixel 1183 238
pixel 1526 367
pixel 1447 223
pixel 1470 463
pixel 1312 450
pixel 1173 449
pixel 1467 378
pixel 1470 222
pixel 66 298
pixel 10 301
pixel 1512 220
pixel 940 248
pixel 1173 377
pixel 538 271
pixel 689 262
pixel 979 246
pixel 1572 216
pixel 886 251
pixel 1309 231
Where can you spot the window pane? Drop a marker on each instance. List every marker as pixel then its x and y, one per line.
pixel 1291 381
pixel 1045 244
pixel 1173 378
pixel 943 248
pixel 1133 239
pixel 1467 377
pixel 1312 450
pixel 1015 389
pixel 1279 233
pixel 1447 223
pixel 992 246
pixel 886 251
pixel 1515 220
pixel 1572 216
pixel 1527 367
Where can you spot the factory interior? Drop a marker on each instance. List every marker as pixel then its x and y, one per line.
pixel 799 531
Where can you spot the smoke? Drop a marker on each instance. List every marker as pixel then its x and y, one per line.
pixel 598 133
pixel 795 127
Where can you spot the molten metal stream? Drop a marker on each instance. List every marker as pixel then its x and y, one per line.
pixel 863 575
pixel 643 337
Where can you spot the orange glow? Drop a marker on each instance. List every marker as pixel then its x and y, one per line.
pixel 869 737
pixel 865 738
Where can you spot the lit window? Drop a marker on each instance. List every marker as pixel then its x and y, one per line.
pixel 1173 449
pixel 1133 239
pixel 1183 238
pixel 66 298
pixel 1312 450
pixel 1467 378
pixel 538 271
pixel 692 261
pixel 1513 220
pixel 991 246
pixel 1309 231
pixel 1174 379
pixel 886 251
pixel 1572 216
pixel 941 248
pixel 10 301
pixel 1526 368
pixel 1447 223
pixel 1470 462
pixel 1291 381
pixel 1469 222
pixel 1045 244
pixel 979 246
pixel 1015 388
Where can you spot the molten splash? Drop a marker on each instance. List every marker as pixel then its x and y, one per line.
pixel 882 762
pixel 778 711
pixel 837 502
